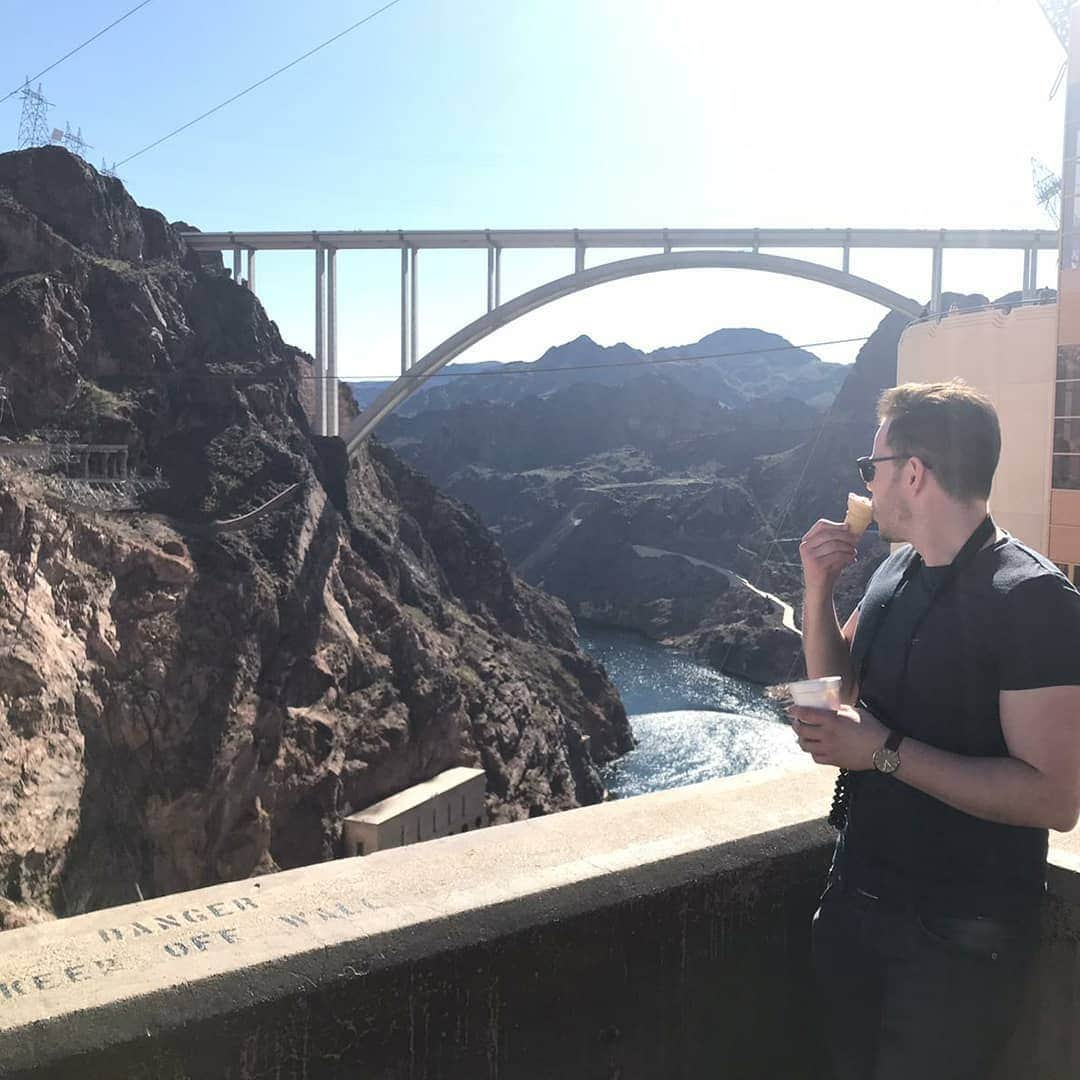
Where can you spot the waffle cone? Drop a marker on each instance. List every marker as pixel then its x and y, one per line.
pixel 859 514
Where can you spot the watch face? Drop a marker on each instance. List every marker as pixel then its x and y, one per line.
pixel 886 761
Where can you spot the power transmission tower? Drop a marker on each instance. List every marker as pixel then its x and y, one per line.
pixel 1047 183
pixel 107 169
pixel 1057 15
pixel 75 143
pixel 33 118
pixel 5 403
pixel 1047 188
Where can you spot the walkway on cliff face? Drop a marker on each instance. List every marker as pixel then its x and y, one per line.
pixel 786 609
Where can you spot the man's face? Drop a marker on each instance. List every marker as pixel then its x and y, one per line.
pixel 891 508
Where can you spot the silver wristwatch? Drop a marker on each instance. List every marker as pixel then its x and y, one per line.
pixel 887 758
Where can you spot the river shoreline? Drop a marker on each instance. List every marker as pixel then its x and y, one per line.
pixel 692 722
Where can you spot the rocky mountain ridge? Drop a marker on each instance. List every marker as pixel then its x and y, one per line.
pixel 732 367
pixel 179 707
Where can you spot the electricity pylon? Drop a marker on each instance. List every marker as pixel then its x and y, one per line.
pixel 1057 15
pixel 34 117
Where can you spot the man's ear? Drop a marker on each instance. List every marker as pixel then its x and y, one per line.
pixel 918 473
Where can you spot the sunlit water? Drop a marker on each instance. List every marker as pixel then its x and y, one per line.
pixel 691 722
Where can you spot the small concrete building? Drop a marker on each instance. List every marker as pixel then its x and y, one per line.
pixel 451 802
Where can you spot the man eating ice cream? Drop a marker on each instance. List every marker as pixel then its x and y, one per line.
pixel 960 742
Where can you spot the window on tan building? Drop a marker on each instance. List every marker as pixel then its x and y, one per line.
pixel 1066 471
pixel 1071 571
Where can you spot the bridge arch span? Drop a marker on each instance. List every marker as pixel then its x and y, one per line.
pixel 479 329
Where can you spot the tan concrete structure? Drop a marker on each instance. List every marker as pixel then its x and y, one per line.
pixel 1010 357
pixel 449 803
pixel 665 935
pixel 1064 545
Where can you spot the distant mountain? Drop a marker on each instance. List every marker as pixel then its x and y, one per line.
pixel 653 412
pixel 647 497
pixel 732 367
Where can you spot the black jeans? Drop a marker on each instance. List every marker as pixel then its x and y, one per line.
pixel 910 996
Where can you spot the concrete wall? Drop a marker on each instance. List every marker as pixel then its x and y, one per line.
pixel 660 937
pixel 1010 358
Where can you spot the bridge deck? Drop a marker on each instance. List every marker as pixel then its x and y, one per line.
pixel 1007 239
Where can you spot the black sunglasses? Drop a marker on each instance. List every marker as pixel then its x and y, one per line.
pixel 868 467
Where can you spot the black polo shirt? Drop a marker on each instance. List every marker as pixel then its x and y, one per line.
pixel 1009 621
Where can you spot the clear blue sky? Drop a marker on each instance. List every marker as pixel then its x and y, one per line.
pixel 563 113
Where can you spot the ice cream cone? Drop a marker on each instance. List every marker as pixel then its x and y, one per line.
pixel 860 513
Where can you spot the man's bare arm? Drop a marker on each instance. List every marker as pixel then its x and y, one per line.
pixel 827 647
pixel 825 550
pixel 1037 785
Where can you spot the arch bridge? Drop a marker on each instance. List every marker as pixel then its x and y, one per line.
pixel 677 249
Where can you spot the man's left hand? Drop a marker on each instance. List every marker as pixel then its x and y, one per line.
pixel 846 738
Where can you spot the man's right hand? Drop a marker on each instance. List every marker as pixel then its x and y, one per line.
pixel 825 550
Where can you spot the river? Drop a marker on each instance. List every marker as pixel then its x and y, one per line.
pixel 691 722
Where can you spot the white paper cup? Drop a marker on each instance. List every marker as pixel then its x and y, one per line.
pixel 817 693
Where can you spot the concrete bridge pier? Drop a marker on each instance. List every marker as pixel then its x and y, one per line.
pixel 237 266
pixel 494 273
pixel 409 310
pixel 414 305
pixel 326 341
pixel 332 410
pixel 579 252
pixel 405 308
pixel 320 340
pixel 935 280
pixel 1031 273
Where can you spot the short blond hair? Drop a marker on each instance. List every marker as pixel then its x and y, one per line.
pixel 951 427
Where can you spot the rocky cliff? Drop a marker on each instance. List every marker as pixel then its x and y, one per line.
pixel 182 704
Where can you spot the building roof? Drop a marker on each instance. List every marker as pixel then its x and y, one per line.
pixel 415 796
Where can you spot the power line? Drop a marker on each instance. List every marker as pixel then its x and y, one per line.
pixel 68 55
pixel 530 369
pixel 256 85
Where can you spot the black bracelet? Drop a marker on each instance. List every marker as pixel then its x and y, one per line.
pixel 841 798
